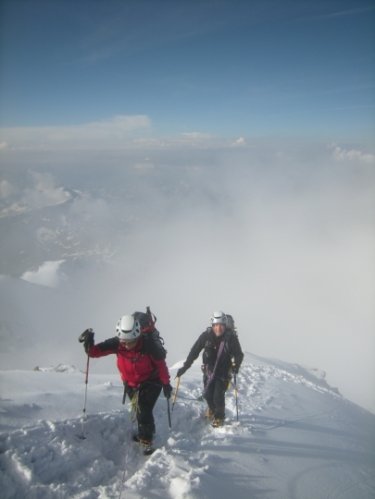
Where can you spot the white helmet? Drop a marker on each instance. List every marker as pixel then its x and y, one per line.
pixel 219 317
pixel 127 328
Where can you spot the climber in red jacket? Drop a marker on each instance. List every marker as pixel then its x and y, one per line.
pixel 142 366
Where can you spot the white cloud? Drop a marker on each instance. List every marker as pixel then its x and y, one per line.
pixel 190 140
pixel 43 193
pixel 121 132
pixel 48 274
pixel 116 126
pixel 196 135
pixel 3 145
pixel 13 209
pixel 6 189
pixel 341 154
pixel 96 134
pixel 239 142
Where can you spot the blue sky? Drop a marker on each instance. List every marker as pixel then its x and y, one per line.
pixel 228 68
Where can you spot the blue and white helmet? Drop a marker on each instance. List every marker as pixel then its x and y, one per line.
pixel 127 328
pixel 218 317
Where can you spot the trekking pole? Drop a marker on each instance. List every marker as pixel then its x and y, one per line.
pixel 85 399
pixel 236 393
pixel 175 393
pixel 169 415
pixel 86 383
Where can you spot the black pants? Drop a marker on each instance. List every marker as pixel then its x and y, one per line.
pixel 214 394
pixel 148 394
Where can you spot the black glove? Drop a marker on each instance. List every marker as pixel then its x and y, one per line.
pixel 235 368
pixel 87 338
pixel 167 389
pixel 181 371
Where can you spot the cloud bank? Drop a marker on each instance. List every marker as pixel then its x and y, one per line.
pixel 278 234
pixel 342 154
pixel 46 275
pixel 105 133
pixel 42 193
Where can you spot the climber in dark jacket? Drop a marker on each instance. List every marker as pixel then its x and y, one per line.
pixel 222 355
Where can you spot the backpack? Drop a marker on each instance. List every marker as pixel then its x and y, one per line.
pixel 147 321
pixel 230 323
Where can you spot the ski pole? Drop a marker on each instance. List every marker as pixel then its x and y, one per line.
pixel 236 393
pixel 175 393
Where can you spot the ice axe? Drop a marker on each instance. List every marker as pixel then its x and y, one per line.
pixel 175 392
pixel 235 392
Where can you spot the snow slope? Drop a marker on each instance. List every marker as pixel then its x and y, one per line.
pixel 296 438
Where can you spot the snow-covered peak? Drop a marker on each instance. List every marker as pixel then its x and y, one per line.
pixel 296 437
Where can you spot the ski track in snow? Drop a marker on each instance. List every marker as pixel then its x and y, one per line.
pixel 296 438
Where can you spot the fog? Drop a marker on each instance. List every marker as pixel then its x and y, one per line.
pixel 280 235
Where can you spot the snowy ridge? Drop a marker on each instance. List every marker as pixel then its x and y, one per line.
pixel 60 368
pixel 296 438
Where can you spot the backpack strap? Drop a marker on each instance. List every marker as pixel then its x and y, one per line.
pixel 212 374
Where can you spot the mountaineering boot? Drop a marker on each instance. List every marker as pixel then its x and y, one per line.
pixel 146 445
pixel 140 440
pixel 146 431
pixel 217 422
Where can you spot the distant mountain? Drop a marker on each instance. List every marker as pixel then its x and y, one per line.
pixel 49 233
pixel 60 368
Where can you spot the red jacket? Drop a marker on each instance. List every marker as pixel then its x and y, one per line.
pixel 145 362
